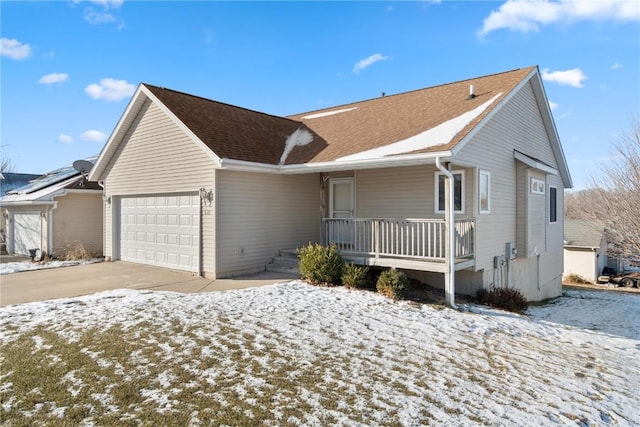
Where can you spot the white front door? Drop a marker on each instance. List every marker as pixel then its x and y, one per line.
pixel 341 198
pixel 341 206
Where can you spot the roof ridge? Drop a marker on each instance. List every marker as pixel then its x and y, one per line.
pixel 410 91
pixel 222 103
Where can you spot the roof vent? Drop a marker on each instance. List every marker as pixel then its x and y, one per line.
pixel 471 93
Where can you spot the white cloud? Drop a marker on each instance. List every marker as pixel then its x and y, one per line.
pixel 52 78
pixel 525 16
pixel 103 13
pixel 97 18
pixel 107 4
pixel 553 105
pixel 14 49
pixel 110 89
pixel 65 139
pixel 364 63
pixel 573 77
pixel 93 136
pixel 112 4
pixel 617 66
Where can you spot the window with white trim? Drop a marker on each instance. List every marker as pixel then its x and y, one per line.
pixel 537 186
pixel 484 192
pixel 458 191
pixel 553 204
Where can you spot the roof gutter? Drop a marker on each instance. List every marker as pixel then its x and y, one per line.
pixel 25 203
pixel 373 163
pixel 450 275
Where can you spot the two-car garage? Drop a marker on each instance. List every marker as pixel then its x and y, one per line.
pixel 161 230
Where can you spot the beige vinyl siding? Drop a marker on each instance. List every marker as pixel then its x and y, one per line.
pixel 404 192
pixel 77 220
pixel 517 125
pixel 260 214
pixel 158 157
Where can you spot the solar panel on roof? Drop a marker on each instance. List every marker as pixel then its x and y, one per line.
pixel 50 178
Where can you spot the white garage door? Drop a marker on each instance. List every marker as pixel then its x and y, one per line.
pixel 161 230
pixel 27 232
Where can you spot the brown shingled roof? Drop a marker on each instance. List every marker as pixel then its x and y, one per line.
pixel 232 132
pixel 237 133
pixel 381 121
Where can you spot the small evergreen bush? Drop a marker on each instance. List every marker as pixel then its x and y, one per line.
pixel 320 264
pixel 393 284
pixel 505 298
pixel 354 276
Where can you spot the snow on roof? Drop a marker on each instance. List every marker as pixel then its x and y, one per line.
pixel 439 135
pixel 42 188
pixel 11 180
pixel 328 113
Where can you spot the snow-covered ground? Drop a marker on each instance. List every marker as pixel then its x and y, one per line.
pixel 378 362
pixel 16 267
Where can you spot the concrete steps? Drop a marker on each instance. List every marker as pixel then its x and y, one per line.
pixel 286 262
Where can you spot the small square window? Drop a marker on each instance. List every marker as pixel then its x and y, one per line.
pixel 537 186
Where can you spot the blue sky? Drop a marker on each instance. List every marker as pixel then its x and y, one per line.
pixel 68 68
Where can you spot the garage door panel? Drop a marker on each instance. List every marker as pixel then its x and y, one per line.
pixel 27 232
pixel 161 230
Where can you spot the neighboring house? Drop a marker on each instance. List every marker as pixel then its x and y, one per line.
pixel 9 181
pixel 585 248
pixel 54 213
pixel 218 190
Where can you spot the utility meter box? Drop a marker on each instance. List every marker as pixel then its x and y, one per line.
pixel 510 251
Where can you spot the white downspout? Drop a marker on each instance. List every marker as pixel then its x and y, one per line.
pixel 450 275
pixel 49 231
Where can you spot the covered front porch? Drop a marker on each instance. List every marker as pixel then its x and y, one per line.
pixel 416 244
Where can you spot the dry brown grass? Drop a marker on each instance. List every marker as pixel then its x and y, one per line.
pixel 75 251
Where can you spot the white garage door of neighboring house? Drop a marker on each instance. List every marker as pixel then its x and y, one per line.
pixel 27 232
pixel 161 230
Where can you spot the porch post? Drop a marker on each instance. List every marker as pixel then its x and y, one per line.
pixel 449 220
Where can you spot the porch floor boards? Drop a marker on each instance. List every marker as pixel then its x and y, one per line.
pixel 288 260
pixel 435 266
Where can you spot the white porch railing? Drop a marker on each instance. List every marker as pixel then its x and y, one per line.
pixel 404 238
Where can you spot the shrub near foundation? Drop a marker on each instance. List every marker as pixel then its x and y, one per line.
pixel 393 284
pixel 320 265
pixel 505 298
pixel 354 276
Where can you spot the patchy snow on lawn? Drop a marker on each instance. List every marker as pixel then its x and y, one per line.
pixel 16 267
pixel 574 361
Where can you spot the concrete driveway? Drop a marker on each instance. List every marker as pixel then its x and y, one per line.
pixel 64 282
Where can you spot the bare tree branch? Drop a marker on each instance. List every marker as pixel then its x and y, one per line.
pixel 614 197
pixel 6 166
